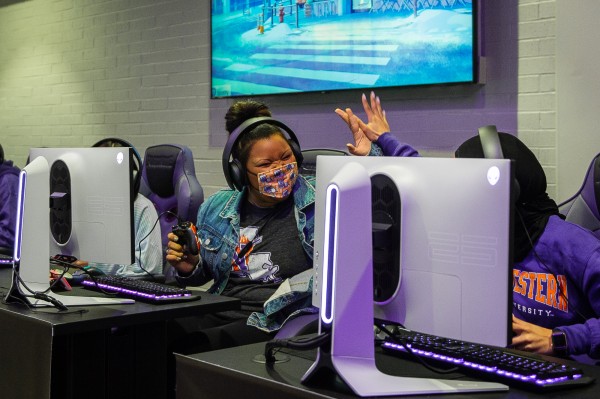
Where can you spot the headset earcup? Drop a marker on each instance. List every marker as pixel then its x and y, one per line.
pixel 237 173
pixel 297 152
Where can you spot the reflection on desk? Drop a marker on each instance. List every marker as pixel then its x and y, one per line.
pixel 232 372
pixel 51 354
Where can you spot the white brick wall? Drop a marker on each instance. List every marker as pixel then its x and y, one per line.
pixel 537 83
pixel 75 71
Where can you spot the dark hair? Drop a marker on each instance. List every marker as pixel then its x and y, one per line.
pixel 1 154
pixel 244 144
pixel 243 110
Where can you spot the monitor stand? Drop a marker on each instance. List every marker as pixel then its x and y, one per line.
pixel 347 308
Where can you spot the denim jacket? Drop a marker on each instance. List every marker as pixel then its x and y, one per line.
pixel 218 228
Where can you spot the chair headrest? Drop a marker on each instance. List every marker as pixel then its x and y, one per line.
pixel 169 181
pixel 590 191
pixel 163 167
pixel 309 162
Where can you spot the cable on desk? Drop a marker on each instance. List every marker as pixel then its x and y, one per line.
pixel 298 344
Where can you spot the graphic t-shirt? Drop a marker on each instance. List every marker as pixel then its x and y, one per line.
pixel 270 251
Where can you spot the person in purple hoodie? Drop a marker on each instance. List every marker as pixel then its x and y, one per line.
pixel 9 187
pixel 556 264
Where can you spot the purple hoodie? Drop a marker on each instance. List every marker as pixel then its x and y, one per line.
pixel 565 256
pixel 9 185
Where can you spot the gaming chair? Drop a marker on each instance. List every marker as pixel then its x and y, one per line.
pixel 583 208
pixel 169 181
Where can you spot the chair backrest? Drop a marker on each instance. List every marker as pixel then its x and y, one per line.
pixel 583 208
pixel 309 162
pixel 169 181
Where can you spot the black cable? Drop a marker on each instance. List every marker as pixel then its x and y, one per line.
pixel 82 268
pixel 303 343
pixel 146 236
pixel 36 294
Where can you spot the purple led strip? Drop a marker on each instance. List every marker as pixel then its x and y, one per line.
pixel 488 369
pixel 132 292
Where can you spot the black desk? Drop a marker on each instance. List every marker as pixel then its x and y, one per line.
pixel 231 373
pixel 117 351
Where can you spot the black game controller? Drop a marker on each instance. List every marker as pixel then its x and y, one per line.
pixel 186 232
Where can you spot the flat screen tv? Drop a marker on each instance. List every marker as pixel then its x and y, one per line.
pixel 266 47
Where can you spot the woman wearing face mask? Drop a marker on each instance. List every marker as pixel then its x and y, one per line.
pixel 252 238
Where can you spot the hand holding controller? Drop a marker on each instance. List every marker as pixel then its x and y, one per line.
pixel 186 232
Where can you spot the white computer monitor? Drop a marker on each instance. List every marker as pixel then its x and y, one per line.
pixel 444 229
pixel 78 202
pixel 439 230
pixel 91 202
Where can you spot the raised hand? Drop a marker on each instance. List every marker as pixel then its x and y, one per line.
pixel 376 118
pixel 362 145
pixel 364 133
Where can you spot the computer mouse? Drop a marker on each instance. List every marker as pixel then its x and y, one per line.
pixel 79 275
pixel 94 271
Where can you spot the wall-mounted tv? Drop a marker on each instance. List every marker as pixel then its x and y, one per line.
pixel 266 47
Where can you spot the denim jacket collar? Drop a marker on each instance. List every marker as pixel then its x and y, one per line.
pixel 304 192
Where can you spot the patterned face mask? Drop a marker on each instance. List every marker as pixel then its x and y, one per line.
pixel 278 182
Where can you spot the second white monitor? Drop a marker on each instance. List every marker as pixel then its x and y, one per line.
pixel 447 242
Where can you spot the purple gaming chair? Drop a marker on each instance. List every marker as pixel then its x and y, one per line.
pixel 169 181
pixel 583 208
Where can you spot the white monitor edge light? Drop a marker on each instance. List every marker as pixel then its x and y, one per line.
pixel 329 254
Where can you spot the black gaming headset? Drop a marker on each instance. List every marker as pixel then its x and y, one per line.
pixel 235 172
pixel 137 164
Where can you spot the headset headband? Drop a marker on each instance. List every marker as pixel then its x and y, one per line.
pixel 490 142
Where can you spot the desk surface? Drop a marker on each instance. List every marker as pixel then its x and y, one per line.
pixel 105 316
pixel 230 372
pixel 44 351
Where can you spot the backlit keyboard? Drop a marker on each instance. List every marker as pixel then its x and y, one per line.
pixel 487 362
pixel 6 260
pixel 147 291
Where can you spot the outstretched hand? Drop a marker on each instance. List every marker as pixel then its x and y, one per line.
pixel 365 133
pixel 531 338
pixel 362 145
